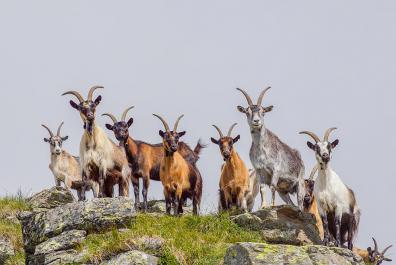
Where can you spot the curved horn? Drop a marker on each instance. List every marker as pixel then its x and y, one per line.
pixel 375 245
pixel 260 98
pixel 219 131
pixel 48 129
pixel 123 116
pixel 327 134
pixel 76 94
pixel 230 130
pixel 111 116
pixel 386 249
pixel 163 122
pixel 91 90
pixel 249 100
pixel 313 172
pixel 177 123
pixel 59 129
pixel 314 136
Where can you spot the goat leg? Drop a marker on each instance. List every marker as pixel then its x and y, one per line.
pixel 326 238
pixel 135 184
pixel 262 193
pixel 102 176
pixel 350 231
pixel 146 182
pixel 168 202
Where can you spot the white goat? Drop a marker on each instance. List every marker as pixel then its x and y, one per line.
pixel 276 164
pixel 65 167
pixel 101 159
pixel 336 202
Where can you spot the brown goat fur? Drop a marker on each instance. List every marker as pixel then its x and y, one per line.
pixel 144 158
pixel 180 177
pixel 311 206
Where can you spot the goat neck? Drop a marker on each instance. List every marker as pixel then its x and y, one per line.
pixel 259 135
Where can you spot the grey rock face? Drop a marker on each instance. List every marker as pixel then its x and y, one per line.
pixel 282 225
pixel 132 257
pixel 6 249
pixel 260 253
pixel 50 198
pixel 66 240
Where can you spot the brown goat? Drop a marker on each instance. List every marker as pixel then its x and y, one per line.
pixel 371 256
pixel 180 178
pixel 234 179
pixel 144 158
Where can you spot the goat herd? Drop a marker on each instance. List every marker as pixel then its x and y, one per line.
pixel 103 164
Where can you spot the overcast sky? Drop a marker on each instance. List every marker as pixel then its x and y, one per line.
pixel 328 64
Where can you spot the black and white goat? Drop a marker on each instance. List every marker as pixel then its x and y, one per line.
pixel 276 164
pixel 336 202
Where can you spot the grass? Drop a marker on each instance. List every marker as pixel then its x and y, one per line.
pixel 188 240
pixel 9 228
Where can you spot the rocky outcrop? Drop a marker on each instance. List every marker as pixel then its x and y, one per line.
pixel 6 249
pixel 261 253
pixel 57 224
pixel 133 257
pixel 282 225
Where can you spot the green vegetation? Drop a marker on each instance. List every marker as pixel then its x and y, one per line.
pixel 188 239
pixel 9 226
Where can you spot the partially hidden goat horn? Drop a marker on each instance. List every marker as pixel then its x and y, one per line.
pixel 123 116
pixel 327 133
pixel 91 91
pixel 230 130
pixel 177 123
pixel 76 94
pixel 314 136
pixel 59 129
pixel 111 116
pixel 218 130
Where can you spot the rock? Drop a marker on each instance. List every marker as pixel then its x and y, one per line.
pixel 66 240
pixel 151 243
pixel 94 215
pixel 261 253
pixel 6 249
pixel 282 225
pixel 50 198
pixel 69 256
pixel 132 257
pixel 158 207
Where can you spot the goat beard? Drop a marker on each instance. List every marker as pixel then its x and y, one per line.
pixel 88 125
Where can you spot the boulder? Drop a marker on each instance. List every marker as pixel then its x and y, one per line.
pixel 66 240
pixel 282 225
pixel 262 253
pixel 95 215
pixel 50 198
pixel 69 256
pixel 158 207
pixel 133 257
pixel 6 249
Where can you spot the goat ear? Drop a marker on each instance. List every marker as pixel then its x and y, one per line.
pixel 109 127
pixel 241 109
pixel 335 143
pixel 181 133
pixel 65 138
pixel 130 121
pixel 74 105
pixel 46 140
pixel 97 100
pixel 214 140
pixel 161 133
pixel 268 109
pixel 311 145
pixel 236 139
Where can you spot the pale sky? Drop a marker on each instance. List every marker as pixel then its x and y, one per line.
pixel 329 64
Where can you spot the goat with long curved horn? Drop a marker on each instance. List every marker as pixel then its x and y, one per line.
pixel 230 130
pixel 313 135
pixel 76 94
pixel 91 91
pixel 59 129
pixel 249 100
pixel 111 116
pixel 123 116
pixel 327 134
pixel 260 98
pixel 48 129
pixel 163 122
pixel 177 123
pixel 219 131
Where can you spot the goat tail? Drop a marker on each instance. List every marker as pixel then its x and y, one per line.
pixel 355 223
pixel 198 148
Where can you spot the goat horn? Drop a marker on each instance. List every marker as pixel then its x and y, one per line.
pixel 314 136
pixel 48 129
pixel 163 122
pixel 91 90
pixel 59 129
pixel 111 116
pixel 313 172
pixel 327 133
pixel 375 245
pixel 249 100
pixel 230 130
pixel 76 94
pixel 177 123
pixel 260 98
pixel 123 116
pixel 219 131
pixel 386 249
